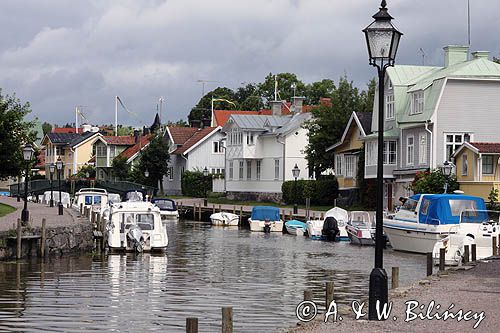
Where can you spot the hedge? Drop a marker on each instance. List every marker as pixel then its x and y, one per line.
pixel 194 184
pixel 322 191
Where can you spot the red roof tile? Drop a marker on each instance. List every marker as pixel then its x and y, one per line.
pixel 131 151
pixel 194 139
pixel 181 134
pixel 126 140
pixel 66 130
pixel 487 147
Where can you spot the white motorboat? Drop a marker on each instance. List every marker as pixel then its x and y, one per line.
pixel 477 227
pixel 295 227
pixel 266 219
pixel 95 198
pixel 66 200
pixel 168 208
pixel 360 228
pixel 225 219
pixel 135 226
pixel 425 219
pixel 315 227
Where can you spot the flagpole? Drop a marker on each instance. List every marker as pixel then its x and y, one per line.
pixel 212 120
pixel 76 119
pixel 116 115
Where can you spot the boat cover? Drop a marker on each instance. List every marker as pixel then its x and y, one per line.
pixel 165 204
pixel 446 208
pixel 339 214
pixel 262 213
pixel 296 223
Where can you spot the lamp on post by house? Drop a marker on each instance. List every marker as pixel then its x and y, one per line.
pixel 146 175
pixel 205 175
pixel 59 167
pixel 52 168
pixel 382 39
pixel 27 156
pixel 295 173
pixel 446 169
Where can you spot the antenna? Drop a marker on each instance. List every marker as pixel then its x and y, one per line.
pixel 468 22
pixel 423 56
pixel 203 85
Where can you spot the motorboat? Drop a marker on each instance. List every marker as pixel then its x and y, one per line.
pixel 134 195
pixel 168 208
pixel 295 227
pixel 135 226
pixel 475 227
pixel 424 219
pixel 114 198
pixel 95 198
pixel 225 219
pixel 266 219
pixel 317 229
pixel 360 228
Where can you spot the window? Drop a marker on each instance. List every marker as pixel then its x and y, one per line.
pixel 487 162
pixel 249 138
pixel 350 166
pixel 457 206
pixel 101 151
pixel 258 170
pixel 453 141
pixel 389 107
pixel 417 102
pixel 112 151
pixel 59 151
pixel 338 164
pixel 422 148
pixel 230 169
pixel 276 169
pixel 389 152
pixel 425 207
pixel 217 147
pixel 465 165
pixel 249 170
pixel 409 150
pixel 371 154
pixel 170 173
pixel 241 170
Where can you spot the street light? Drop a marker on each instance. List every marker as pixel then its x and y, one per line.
pixel 295 173
pixel 27 156
pixel 59 166
pixel 446 170
pixel 382 39
pixel 52 168
pixel 205 200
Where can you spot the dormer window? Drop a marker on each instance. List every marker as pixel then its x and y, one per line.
pixel 417 102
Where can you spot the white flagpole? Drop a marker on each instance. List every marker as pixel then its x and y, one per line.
pixel 76 119
pixel 116 115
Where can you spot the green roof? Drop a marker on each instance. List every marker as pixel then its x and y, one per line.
pixel 391 133
pixel 404 75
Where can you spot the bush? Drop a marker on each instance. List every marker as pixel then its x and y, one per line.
pixel 194 184
pixel 322 191
pixel 433 182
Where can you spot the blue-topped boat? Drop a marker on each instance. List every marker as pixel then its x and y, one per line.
pixel 265 218
pixel 168 208
pixel 295 227
pixel 426 218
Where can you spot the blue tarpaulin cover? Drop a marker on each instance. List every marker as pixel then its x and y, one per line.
pixel 296 223
pixel 262 213
pixel 446 208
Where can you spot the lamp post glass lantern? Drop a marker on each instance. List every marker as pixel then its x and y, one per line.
pixel 446 169
pixel 27 156
pixel 52 168
pixel 205 200
pixel 295 173
pixel 382 40
pixel 59 167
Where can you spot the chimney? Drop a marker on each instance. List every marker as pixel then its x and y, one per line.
pixel 297 104
pixel 325 101
pixel 195 123
pixel 86 128
pixel 480 54
pixel 136 135
pixel 276 108
pixel 454 54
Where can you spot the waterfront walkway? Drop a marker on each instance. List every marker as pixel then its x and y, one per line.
pixel 476 290
pixel 37 212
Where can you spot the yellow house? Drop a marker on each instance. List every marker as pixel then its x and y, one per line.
pixel 477 167
pixel 75 150
pixel 346 151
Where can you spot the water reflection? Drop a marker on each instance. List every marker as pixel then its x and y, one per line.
pixel 262 276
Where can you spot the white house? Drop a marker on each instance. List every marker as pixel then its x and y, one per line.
pixel 192 149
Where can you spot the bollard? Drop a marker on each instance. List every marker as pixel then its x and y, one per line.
pixel 19 238
pixel 81 209
pixel 322 216
pixel 241 214
pixel 194 211
pixel 220 208
pixel 42 239
pixel 494 246
pixel 191 325
pixel 308 295
pixel 213 208
pixel 466 254
pixel 429 263
pixel 442 254
pixel 227 319
pixel 328 294
pixel 473 252
pixel 234 209
pixel 395 278
pixel 199 213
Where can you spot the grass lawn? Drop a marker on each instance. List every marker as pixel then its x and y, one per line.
pixel 5 209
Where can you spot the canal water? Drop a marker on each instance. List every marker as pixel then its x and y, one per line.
pixel 261 276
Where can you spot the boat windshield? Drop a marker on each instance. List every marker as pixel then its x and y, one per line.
pixel 134 196
pixel 479 216
pixel 165 204
pixel 410 205
pixel 145 221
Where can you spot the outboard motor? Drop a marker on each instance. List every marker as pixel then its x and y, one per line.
pixel 267 226
pixel 330 228
pixel 136 237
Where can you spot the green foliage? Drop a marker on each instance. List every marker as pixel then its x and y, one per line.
pixel 497 60
pixel 194 184
pixel 433 182
pixel 125 130
pixel 14 133
pixel 82 173
pixel 178 123
pixel 248 98
pixel 120 168
pixel 46 128
pixel 6 209
pixel 155 159
pixel 317 90
pixel 493 200
pixel 286 82
pixel 202 110
pixel 322 191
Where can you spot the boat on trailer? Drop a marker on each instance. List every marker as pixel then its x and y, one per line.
pixel 266 219
pixel 225 219
pixel 168 208
pixel 135 226
pixel 360 228
pixel 315 227
pixel 95 198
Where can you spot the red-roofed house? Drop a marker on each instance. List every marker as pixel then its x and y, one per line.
pixel 477 167
pixel 192 149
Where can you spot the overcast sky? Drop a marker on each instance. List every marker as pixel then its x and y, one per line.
pixel 58 54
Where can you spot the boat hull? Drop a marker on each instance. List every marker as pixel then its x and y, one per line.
pixel 169 215
pixel 295 231
pixel 315 231
pixel 224 219
pixel 257 225
pixel 414 240
pixel 360 236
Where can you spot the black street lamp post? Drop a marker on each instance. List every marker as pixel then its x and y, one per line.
pixel 382 39
pixel 52 168
pixel 59 166
pixel 205 175
pixel 295 173
pixel 146 175
pixel 27 156
pixel 446 169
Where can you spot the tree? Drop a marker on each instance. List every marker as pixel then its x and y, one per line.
pixel 46 128
pixel 120 168
pixel 202 110
pixel 286 84
pixel 317 90
pixel 248 98
pixel 433 182
pixel 82 173
pixel 155 159
pixel 367 96
pixel 14 133
pixel 497 60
